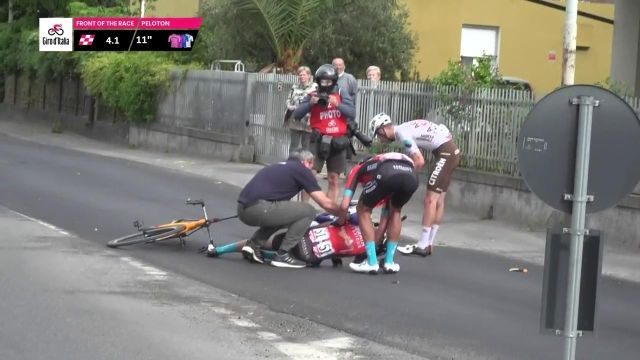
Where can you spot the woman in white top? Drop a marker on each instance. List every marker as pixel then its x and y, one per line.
pixel 299 130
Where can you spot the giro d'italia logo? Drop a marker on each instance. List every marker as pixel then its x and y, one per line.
pixel 56 34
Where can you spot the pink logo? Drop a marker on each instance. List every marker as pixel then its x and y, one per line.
pixel 86 39
pixel 56 29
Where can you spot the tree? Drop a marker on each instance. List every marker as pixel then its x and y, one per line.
pixel 266 32
pixel 363 33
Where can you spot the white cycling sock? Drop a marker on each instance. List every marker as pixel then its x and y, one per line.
pixel 424 238
pixel 434 231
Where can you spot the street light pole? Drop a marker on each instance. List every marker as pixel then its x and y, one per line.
pixel 569 51
pixel 143 5
pixel 10 19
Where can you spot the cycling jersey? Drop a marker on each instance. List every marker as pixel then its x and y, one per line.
pixel 365 171
pixel 375 171
pixel 422 134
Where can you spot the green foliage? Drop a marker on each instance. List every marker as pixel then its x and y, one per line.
pixel 227 34
pixel 24 56
pixel 130 82
pixel 259 32
pixel 316 34
pixel 617 87
pixel 480 74
pixel 34 9
pixel 87 9
pixel 364 33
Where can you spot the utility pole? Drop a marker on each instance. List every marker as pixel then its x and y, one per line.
pixel 10 20
pixel 143 5
pixel 569 51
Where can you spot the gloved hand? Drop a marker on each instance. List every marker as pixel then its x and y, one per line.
pixel 354 131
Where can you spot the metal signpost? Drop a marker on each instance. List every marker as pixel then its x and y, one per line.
pixel 577 152
pixel 578 213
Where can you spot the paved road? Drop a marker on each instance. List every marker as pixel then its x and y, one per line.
pixel 457 304
pixel 68 298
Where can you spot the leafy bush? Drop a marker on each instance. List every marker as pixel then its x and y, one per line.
pixel 617 87
pixel 480 74
pixel 130 82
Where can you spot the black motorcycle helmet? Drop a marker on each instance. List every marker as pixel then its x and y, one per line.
pixel 327 78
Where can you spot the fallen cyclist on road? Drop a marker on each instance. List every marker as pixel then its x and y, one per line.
pixel 325 239
pixel 265 202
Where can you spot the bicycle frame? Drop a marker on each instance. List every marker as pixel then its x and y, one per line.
pixel 192 225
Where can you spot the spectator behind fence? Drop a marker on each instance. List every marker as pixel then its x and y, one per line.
pixel 299 130
pixel 349 84
pixel 346 81
pixel 373 74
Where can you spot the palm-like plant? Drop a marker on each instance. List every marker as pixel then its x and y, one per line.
pixel 287 25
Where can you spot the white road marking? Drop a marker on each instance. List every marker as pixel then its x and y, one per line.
pixel 303 351
pixel 149 270
pixel 268 336
pixel 335 343
pixel 244 323
pixel 223 311
pixel 52 227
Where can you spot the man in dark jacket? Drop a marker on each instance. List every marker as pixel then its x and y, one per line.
pixel 265 202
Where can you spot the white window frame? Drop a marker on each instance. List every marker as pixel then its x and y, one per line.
pixel 471 36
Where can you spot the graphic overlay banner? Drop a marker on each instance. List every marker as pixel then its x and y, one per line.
pixel 56 34
pixel 135 34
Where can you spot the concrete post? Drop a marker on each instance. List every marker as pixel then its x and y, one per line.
pixel 569 53
pixel 626 45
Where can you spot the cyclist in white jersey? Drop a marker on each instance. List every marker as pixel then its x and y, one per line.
pixel 429 136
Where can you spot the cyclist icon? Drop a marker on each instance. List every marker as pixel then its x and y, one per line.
pixel 56 29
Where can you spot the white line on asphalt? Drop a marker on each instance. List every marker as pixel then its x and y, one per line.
pixel 268 336
pixel 52 227
pixel 335 343
pixel 149 270
pixel 244 323
pixel 223 311
pixel 303 351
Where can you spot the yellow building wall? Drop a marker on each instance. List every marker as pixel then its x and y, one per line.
pixel 528 33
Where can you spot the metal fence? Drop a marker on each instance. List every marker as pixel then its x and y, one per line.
pixel 267 109
pixel 214 101
pixel 485 122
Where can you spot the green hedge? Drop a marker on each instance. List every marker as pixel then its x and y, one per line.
pixel 130 82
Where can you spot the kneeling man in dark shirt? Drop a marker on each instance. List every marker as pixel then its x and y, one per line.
pixel 266 202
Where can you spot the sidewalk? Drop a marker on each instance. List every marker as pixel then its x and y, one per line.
pixel 458 229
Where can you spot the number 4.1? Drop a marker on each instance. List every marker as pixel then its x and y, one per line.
pixel 114 41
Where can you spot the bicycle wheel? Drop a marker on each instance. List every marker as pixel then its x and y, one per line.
pixel 147 235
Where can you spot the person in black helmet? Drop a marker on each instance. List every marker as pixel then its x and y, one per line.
pixel 330 110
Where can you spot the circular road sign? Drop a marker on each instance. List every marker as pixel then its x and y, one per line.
pixel 547 148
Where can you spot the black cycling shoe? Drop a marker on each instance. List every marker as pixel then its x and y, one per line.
pixel 336 262
pixel 253 254
pixel 360 258
pixel 287 261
